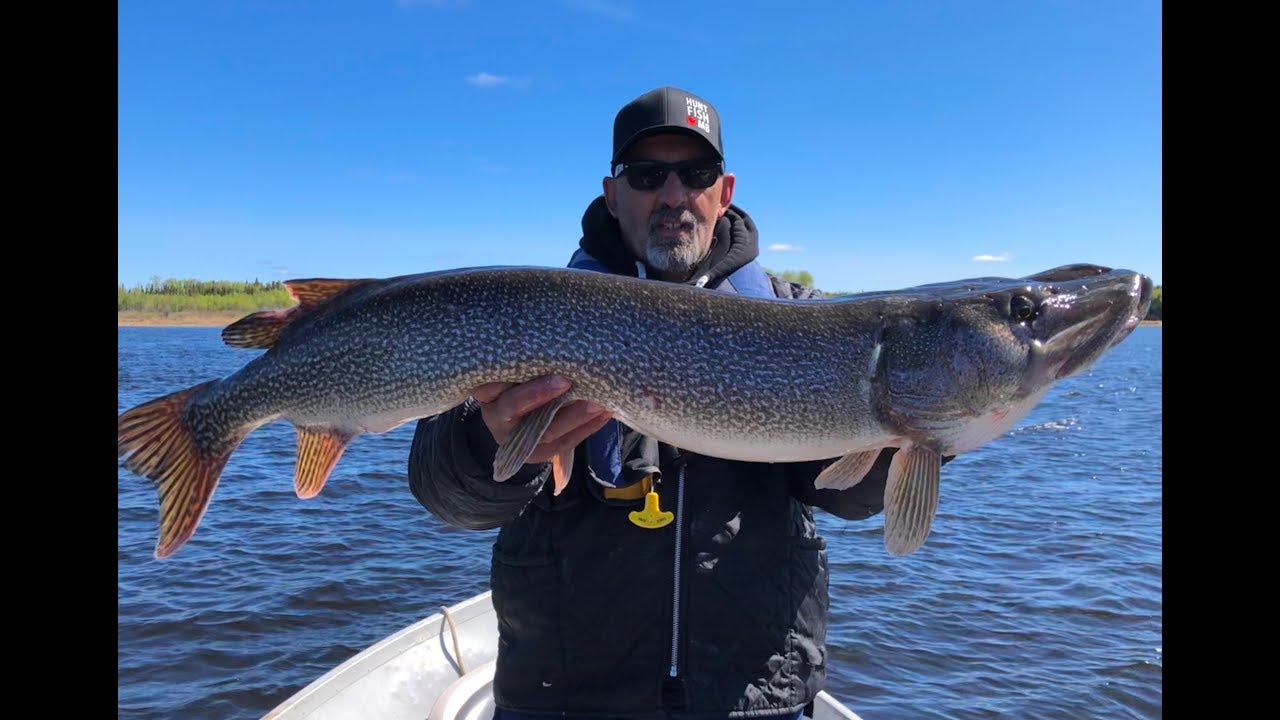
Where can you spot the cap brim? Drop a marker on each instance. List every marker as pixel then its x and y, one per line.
pixel 664 130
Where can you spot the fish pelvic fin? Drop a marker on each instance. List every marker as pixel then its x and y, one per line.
pixel 319 448
pixel 263 329
pixel 561 469
pixel 910 498
pixel 847 471
pixel 512 454
pixel 155 441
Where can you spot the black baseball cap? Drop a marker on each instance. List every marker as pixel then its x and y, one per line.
pixel 666 110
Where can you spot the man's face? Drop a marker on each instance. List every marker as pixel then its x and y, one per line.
pixel 671 225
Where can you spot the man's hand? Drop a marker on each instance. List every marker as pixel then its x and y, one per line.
pixel 502 405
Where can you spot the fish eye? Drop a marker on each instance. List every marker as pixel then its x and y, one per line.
pixel 1022 308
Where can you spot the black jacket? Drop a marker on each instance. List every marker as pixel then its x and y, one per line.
pixel 591 607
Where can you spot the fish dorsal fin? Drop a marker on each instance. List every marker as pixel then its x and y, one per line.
pixel 262 329
pixel 910 498
pixel 317 291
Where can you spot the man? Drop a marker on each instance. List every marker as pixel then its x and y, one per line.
pixel 607 608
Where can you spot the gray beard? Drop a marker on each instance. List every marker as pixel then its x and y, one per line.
pixel 679 256
pixel 680 259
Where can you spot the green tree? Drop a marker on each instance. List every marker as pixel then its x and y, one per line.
pixel 166 295
pixel 796 276
pixel 1157 305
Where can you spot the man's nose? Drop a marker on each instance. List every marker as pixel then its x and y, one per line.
pixel 673 192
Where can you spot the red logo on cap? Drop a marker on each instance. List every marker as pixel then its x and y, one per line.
pixel 692 120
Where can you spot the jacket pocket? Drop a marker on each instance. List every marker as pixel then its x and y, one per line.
pixel 526 594
pixel 763 625
pixel 810 583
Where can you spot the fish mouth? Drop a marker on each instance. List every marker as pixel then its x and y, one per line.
pixel 1086 311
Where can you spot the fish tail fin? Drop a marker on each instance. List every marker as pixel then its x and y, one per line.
pixel 156 441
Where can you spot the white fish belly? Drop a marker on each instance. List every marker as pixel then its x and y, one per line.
pixel 765 447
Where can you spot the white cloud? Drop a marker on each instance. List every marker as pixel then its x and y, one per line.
pixel 1002 257
pixel 485 79
pixel 785 247
pixel 488 80
pixel 611 10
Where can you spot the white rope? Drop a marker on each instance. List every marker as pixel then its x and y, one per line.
pixel 457 651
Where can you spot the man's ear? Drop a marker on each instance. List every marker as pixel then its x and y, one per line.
pixel 611 195
pixel 726 191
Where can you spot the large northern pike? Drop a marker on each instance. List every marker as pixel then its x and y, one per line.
pixel 933 370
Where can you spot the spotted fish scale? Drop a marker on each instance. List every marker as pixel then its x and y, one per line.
pixel 933 370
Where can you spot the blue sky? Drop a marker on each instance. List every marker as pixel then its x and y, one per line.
pixel 878 145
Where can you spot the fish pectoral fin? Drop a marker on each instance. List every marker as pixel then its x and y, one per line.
pixel 526 436
pixel 847 471
pixel 319 448
pixel 910 498
pixel 561 469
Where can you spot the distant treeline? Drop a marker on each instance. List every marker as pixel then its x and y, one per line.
pixel 171 295
pixel 796 276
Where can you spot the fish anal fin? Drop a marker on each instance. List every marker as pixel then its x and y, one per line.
pixel 910 498
pixel 319 448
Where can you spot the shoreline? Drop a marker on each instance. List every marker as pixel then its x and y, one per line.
pixel 199 319
pixel 177 319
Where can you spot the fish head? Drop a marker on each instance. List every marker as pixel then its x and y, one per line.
pixel 960 363
pixel 1083 311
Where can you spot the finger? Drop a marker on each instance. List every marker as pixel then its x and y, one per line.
pixel 569 418
pixel 518 401
pixel 580 433
pixel 572 436
pixel 489 392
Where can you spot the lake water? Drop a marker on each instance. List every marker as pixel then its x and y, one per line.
pixel 1037 595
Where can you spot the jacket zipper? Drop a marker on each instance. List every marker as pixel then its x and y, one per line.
pixel 675 601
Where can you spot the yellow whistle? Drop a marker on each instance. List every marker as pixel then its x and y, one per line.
pixel 651 517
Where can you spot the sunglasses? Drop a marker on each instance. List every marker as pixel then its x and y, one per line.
pixel 649 175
